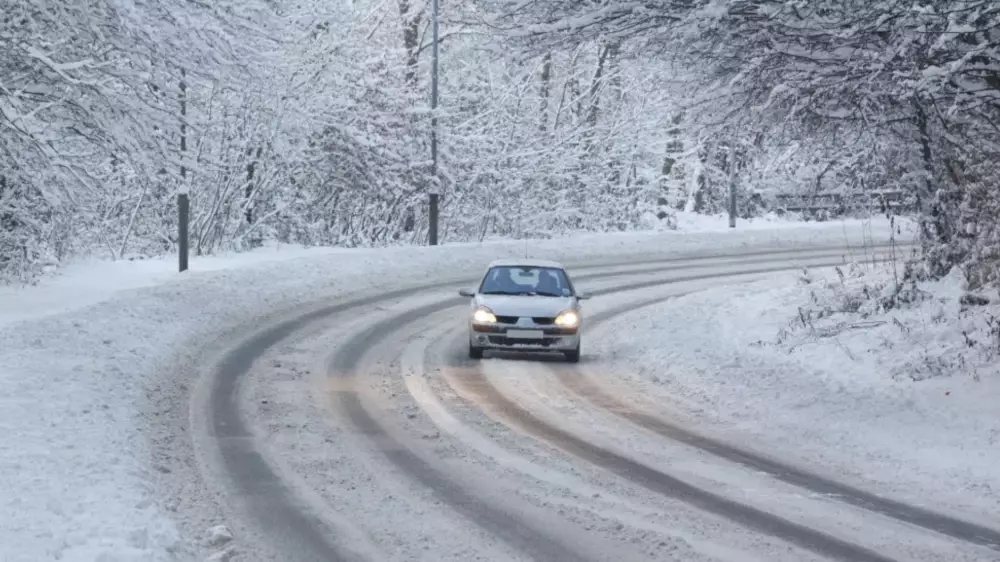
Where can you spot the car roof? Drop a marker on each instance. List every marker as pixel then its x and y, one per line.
pixel 525 262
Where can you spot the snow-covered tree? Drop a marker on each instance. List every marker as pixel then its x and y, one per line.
pixel 308 121
pixel 857 94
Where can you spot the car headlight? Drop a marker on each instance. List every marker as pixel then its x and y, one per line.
pixel 568 319
pixel 483 315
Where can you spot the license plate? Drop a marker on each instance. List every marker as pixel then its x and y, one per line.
pixel 525 334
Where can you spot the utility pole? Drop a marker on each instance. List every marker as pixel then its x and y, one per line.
pixel 432 218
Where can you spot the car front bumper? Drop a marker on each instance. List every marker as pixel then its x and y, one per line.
pixel 512 337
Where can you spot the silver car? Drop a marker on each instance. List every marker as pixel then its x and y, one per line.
pixel 525 305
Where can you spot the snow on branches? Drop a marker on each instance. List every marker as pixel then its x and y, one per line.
pixel 868 95
pixel 308 121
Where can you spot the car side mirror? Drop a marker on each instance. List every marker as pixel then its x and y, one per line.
pixel 582 296
pixel 466 293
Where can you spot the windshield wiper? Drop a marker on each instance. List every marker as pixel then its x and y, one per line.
pixel 521 294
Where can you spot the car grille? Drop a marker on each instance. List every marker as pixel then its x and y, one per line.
pixel 540 320
pixel 505 341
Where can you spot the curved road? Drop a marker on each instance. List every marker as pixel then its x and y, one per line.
pixel 360 431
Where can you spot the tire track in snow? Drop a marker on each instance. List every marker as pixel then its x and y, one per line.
pixel 487 396
pixel 343 370
pixel 413 366
pixel 508 529
pixel 530 383
pixel 258 491
pixel 504 525
pixel 575 380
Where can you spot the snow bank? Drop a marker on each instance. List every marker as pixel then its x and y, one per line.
pixel 696 222
pixel 892 388
pixel 83 283
pixel 83 410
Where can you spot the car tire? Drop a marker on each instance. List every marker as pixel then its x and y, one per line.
pixel 475 352
pixel 573 356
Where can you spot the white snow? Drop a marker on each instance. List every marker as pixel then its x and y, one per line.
pixel 83 283
pixel 219 535
pixel 694 222
pixel 896 401
pixel 86 282
pixel 82 357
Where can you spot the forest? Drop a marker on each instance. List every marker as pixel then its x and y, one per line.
pixel 309 121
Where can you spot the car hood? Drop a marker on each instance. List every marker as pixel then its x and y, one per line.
pixel 524 306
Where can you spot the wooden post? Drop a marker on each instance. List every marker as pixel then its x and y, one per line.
pixel 183 213
pixel 183 203
pixel 433 220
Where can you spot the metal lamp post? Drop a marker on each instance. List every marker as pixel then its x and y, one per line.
pixel 434 196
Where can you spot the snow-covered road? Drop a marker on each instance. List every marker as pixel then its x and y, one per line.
pixel 358 430
pixel 318 404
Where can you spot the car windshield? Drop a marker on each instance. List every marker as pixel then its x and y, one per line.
pixel 526 281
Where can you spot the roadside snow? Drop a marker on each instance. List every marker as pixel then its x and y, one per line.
pixel 899 400
pixel 83 283
pixel 95 461
pixel 695 222
pixel 86 282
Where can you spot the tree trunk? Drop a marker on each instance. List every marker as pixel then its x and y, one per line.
pixel 545 91
pixel 411 41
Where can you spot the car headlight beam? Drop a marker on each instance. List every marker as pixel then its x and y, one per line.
pixel 568 319
pixel 483 315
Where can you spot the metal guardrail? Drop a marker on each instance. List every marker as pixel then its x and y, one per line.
pixel 836 204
